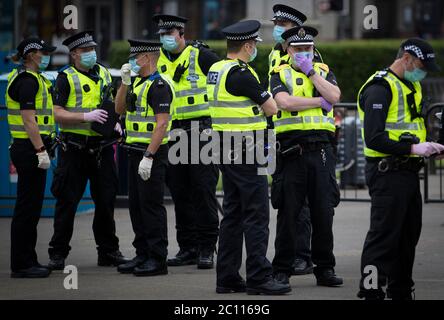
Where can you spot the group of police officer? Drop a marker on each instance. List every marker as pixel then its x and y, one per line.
pixel 184 85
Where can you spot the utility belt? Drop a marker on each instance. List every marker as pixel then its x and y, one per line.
pixel 396 163
pixel 135 147
pixel 301 148
pixel 204 123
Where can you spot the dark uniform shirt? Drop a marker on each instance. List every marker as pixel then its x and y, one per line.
pixel 159 95
pixel 300 136
pixel 250 87
pixel 23 90
pixel 376 99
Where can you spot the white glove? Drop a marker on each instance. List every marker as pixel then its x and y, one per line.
pixel 426 149
pixel 125 74
pixel 44 161
pixel 98 115
pixel 118 129
pixel 145 168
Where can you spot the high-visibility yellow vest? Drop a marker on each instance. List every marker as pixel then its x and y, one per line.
pixel 191 91
pixel 399 119
pixel 43 106
pixel 229 112
pixel 299 85
pixel 141 123
pixel 275 60
pixel 85 96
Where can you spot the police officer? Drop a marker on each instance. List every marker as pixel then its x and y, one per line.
pixel 30 118
pixel 394 133
pixel 192 184
pixel 238 105
pixel 305 92
pixel 147 125
pixel 79 90
pixel 285 18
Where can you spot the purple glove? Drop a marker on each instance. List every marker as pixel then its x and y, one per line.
pixel 327 106
pixel 305 64
pixel 98 115
pixel 426 149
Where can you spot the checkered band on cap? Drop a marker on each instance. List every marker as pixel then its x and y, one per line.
pixel 288 16
pixel 296 38
pixel 139 49
pixel 416 50
pixel 85 39
pixel 244 37
pixel 32 46
pixel 170 24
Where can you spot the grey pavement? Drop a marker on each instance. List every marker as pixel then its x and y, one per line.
pixel 350 226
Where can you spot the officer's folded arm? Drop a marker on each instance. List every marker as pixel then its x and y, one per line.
pixel 292 103
pixel 327 90
pixel 269 107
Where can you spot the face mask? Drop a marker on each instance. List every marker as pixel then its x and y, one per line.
pixel 303 54
pixel 253 55
pixel 44 62
pixel 416 75
pixel 88 59
pixel 277 34
pixel 169 43
pixel 134 66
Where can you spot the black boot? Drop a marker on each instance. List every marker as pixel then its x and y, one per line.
pixel 270 287
pixel 131 265
pixel 32 272
pixel 56 262
pixel 183 257
pixel 151 267
pixel 371 294
pixel 328 278
pixel 282 277
pixel 301 267
pixel 232 287
pixel 206 259
pixel 114 258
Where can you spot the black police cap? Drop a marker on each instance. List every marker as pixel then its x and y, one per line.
pixel 422 50
pixel 82 39
pixel 300 36
pixel 243 30
pixel 167 22
pixel 139 46
pixel 286 13
pixel 30 44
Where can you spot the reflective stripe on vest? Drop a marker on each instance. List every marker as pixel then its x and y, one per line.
pixel 398 118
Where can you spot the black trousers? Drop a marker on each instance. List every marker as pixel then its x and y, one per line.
pixel 193 189
pixel 74 169
pixel 302 235
pixel 246 214
pixel 28 206
pixel 147 212
pixel 395 228
pixel 308 176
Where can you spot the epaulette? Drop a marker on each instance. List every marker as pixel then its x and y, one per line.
pixel 323 67
pixel 199 44
pixel 278 69
pixel 64 68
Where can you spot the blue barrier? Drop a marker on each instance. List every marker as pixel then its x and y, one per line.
pixel 8 178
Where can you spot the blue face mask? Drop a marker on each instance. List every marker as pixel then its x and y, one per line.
pixel 253 55
pixel 88 59
pixel 169 43
pixel 134 66
pixel 277 33
pixel 416 75
pixel 44 62
pixel 303 54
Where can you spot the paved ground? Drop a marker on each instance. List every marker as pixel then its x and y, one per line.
pixel 350 226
